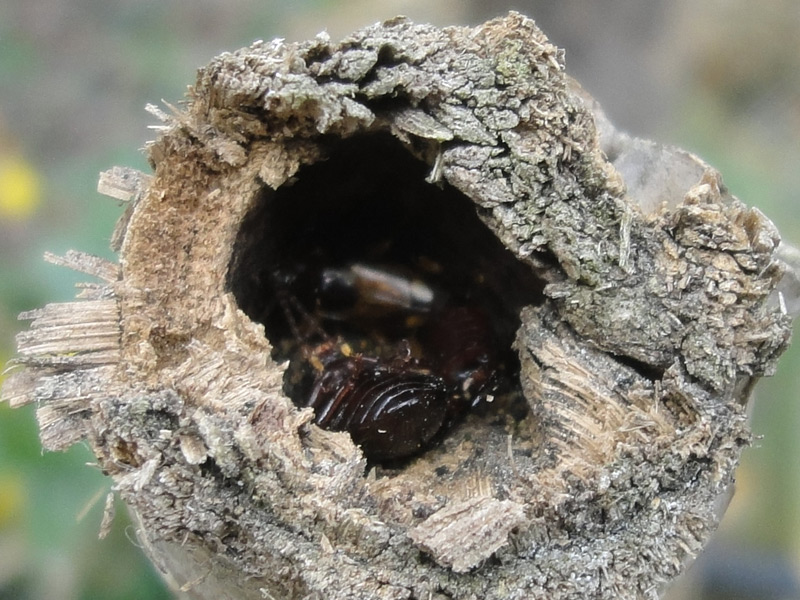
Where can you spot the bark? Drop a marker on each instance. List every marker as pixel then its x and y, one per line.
pixel 655 305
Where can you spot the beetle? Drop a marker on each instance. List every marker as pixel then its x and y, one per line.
pixel 393 399
pixel 391 411
pixel 361 291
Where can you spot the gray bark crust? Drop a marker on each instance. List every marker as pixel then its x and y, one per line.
pixel 660 311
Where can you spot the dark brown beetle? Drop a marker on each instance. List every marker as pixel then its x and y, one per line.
pixel 393 404
pixel 390 411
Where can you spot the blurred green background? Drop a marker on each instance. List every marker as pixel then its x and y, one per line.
pixel 721 78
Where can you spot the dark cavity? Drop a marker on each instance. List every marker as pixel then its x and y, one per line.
pixel 394 303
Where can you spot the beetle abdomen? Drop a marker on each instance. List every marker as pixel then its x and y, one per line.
pixel 390 412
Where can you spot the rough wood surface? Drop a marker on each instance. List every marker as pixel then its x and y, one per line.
pixel 659 311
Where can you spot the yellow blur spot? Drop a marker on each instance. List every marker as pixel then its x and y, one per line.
pixel 19 189
pixel 12 499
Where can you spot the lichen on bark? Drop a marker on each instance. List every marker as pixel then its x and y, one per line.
pixel 655 312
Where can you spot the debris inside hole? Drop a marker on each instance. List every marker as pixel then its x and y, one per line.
pixel 395 305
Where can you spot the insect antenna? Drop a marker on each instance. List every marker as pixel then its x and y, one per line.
pixel 290 305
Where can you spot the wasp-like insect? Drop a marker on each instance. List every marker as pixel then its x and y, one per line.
pixel 392 398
